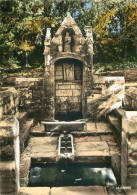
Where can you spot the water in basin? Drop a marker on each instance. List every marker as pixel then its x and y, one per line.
pixel 75 174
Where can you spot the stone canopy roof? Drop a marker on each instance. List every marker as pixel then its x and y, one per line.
pixel 69 24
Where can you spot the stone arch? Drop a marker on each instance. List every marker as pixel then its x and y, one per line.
pixel 68 88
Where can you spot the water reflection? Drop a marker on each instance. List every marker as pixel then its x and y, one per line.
pixel 74 175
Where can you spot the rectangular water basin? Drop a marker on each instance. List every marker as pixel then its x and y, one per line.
pixel 72 174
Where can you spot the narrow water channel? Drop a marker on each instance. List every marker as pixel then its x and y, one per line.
pixel 57 175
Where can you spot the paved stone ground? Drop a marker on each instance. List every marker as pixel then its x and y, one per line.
pixel 78 190
pixel 99 146
pixel 39 147
pixel 98 127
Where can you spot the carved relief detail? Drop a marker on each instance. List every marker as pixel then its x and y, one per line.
pixel 67 43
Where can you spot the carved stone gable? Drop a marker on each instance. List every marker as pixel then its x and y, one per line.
pixel 68 37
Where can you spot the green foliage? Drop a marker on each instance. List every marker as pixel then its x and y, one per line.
pixel 115 29
pixel 23 25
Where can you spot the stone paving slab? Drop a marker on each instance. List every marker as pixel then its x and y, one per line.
pixel 131 192
pixel 38 128
pixel 103 127
pixel 79 190
pixel 91 126
pixel 74 190
pixel 34 191
pixel 41 147
pixel 98 127
pixel 92 149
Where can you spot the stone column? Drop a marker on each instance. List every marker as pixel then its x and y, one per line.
pixel 48 79
pixel 47 44
pixel 88 69
pixel 17 151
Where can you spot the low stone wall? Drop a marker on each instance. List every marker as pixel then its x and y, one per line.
pixel 131 74
pixel 131 99
pixel 8 101
pixel 9 141
pixel 10 79
pixel 107 95
pixel 30 94
pixel 129 150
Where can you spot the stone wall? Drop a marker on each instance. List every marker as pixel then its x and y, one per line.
pixel 129 74
pixel 129 150
pixel 131 99
pixel 30 95
pixel 8 101
pixel 68 97
pixel 9 133
pixel 106 95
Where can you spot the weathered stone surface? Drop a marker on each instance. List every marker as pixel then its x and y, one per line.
pixel 68 61
pixel 7 177
pixel 131 192
pixel 41 147
pixel 92 149
pixel 79 190
pixel 34 191
pixel 8 101
pixel 131 99
pixel 30 93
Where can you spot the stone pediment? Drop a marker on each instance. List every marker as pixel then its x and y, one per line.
pixel 68 25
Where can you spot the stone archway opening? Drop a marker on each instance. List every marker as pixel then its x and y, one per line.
pixel 68 89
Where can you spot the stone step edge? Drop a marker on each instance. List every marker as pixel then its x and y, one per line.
pixel 114 122
pixel 79 134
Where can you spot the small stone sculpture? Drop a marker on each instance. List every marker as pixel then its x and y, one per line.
pixel 67 43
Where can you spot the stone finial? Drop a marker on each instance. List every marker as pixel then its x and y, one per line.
pixel 48 33
pixel 89 32
pixel 68 14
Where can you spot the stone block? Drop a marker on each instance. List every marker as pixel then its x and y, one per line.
pixel 64 86
pixel 7 177
pixel 57 86
pixel 61 99
pixel 76 99
pixel 132 181
pixel 78 86
pixel 34 191
pixel 76 92
pixel 59 77
pixel 79 190
pixel 63 93
pixel 73 86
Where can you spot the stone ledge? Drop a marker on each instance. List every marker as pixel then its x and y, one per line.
pixel 34 191
pixel 71 190
pixel 7 166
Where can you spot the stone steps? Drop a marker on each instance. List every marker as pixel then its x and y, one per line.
pixel 115 120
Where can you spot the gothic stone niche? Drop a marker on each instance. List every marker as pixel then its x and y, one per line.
pixel 68 40
pixel 68 81
pixel 68 70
